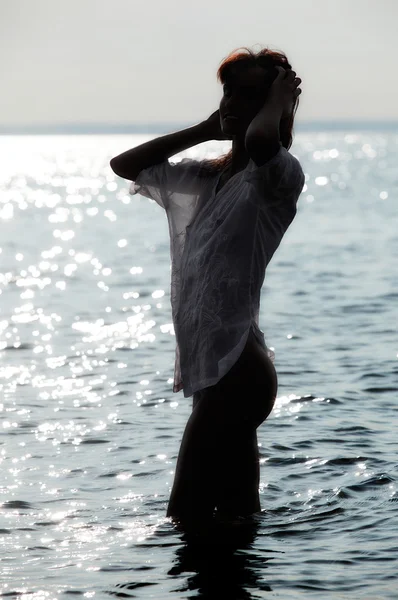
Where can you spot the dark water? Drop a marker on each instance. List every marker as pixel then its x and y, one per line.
pixel 90 428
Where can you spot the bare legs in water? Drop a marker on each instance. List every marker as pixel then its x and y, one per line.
pixel 218 462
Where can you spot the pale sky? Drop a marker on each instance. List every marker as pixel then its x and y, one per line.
pixel 135 61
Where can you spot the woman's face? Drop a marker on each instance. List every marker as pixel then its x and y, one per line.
pixel 244 93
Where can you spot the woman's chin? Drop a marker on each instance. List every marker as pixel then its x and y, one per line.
pixel 232 132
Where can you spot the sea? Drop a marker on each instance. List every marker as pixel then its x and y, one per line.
pixel 90 426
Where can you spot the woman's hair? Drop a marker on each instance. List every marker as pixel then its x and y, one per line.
pixel 244 58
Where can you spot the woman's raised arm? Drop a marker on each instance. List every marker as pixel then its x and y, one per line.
pixel 130 163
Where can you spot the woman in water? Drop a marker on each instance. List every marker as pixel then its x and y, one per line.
pixel 226 218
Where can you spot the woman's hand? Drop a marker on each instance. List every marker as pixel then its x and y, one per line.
pixel 284 90
pixel 212 127
pixel 263 132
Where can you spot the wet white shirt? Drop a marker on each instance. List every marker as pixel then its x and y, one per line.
pixel 220 246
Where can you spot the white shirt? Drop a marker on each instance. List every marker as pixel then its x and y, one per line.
pixel 220 246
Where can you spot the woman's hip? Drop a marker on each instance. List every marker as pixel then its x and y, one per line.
pixel 247 392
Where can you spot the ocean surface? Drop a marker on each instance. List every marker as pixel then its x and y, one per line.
pixel 90 427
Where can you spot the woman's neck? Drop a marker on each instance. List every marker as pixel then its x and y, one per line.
pixel 240 157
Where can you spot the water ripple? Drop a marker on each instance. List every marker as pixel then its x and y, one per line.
pixel 90 426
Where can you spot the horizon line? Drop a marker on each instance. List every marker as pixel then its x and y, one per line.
pixel 163 127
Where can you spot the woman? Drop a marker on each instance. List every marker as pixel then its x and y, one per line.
pixel 226 218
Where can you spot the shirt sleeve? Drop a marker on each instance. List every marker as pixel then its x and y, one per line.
pixel 279 181
pixel 166 180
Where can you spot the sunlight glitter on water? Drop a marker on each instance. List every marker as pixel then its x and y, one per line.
pixel 91 429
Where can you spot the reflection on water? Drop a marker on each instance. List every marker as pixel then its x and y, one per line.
pixel 90 426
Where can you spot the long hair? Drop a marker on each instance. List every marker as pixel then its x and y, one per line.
pixel 269 60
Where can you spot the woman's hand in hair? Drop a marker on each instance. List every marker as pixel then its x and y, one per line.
pixel 284 90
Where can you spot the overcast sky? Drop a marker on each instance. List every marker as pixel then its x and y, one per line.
pixel 134 61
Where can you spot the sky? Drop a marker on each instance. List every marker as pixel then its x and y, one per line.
pixel 155 61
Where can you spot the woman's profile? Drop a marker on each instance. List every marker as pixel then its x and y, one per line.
pixel 227 217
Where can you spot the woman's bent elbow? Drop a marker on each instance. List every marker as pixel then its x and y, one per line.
pixel 121 170
pixel 115 167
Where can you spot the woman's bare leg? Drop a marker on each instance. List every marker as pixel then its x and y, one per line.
pixel 218 462
pixel 218 468
pixel 193 495
pixel 239 478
